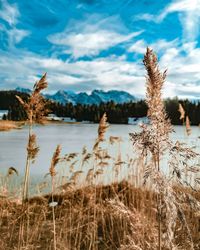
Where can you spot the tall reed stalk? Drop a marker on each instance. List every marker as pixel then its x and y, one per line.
pixel 97 152
pixel 159 122
pixel 54 162
pixel 35 110
pixel 153 143
pixel 154 139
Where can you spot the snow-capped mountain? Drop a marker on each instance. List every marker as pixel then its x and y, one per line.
pixel 96 96
pixel 23 90
pixel 112 95
pixel 62 97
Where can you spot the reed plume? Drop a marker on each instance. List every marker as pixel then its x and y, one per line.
pixel 182 112
pixel 35 106
pixel 153 142
pixel 103 126
pixel 36 111
pixel 32 148
pixel 161 125
pixel 54 161
pixel 155 138
pixel 187 125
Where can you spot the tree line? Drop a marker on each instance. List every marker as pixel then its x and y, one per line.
pixel 117 113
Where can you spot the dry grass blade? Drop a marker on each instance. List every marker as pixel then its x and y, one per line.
pixel 90 175
pixel 75 176
pixel 70 157
pixel 72 165
pixel 87 157
pixel 98 172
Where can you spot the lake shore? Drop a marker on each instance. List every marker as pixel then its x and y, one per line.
pixel 9 125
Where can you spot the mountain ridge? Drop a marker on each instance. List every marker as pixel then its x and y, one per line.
pixel 95 97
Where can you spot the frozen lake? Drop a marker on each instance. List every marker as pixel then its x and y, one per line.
pixel 72 138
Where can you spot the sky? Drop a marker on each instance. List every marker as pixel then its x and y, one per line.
pixel 99 44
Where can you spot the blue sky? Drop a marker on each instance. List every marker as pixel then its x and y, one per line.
pixel 99 44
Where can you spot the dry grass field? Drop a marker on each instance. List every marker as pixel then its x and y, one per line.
pixel 116 216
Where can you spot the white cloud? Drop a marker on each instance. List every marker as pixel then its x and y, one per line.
pixel 182 63
pixel 160 46
pixel 146 17
pixel 183 70
pixel 181 6
pixel 106 73
pixel 189 15
pixel 91 38
pixel 13 35
pixel 16 35
pixel 138 47
pixel 90 44
pixel 189 11
pixel 9 12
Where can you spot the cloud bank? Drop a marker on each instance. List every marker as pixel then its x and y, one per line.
pixel 84 45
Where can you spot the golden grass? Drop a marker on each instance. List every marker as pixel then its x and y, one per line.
pixel 8 125
pixel 125 218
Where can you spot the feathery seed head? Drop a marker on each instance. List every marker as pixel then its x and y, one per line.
pixel 54 161
pixel 103 126
pixel 182 111
pixel 32 147
pixel 154 83
pixel 187 126
pixel 35 106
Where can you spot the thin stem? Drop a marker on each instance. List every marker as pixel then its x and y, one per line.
pixel 159 221
pixel 53 212
pixel 27 169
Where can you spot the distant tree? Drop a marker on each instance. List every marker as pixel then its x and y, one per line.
pixel 117 113
pixel 4 117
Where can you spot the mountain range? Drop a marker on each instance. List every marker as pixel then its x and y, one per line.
pixel 96 96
